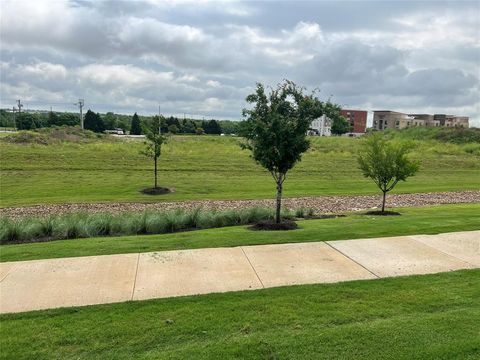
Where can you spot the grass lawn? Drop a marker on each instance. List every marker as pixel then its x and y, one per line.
pixel 424 220
pixel 417 317
pixel 208 167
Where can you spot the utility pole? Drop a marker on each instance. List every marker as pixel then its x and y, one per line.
pixel 14 120
pixel 80 104
pixel 20 105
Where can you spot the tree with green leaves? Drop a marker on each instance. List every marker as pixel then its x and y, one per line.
pixel 110 121
pixel 275 129
pixel 28 121
pixel 173 129
pixel 340 125
pixel 153 143
pixel 136 128
pixel 386 162
pixel 93 122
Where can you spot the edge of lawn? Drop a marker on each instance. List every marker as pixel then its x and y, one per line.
pixel 421 220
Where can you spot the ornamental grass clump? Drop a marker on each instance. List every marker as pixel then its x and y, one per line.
pixel 84 225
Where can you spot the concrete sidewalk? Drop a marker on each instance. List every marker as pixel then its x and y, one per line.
pixel 51 283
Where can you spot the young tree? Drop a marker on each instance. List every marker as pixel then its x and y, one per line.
pixel 385 162
pixel 136 128
pixel 276 128
pixel 153 144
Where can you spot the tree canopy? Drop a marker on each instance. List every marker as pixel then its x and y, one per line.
pixel 136 128
pixel 276 127
pixel 93 122
pixel 386 162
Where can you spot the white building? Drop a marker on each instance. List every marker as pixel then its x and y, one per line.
pixel 321 127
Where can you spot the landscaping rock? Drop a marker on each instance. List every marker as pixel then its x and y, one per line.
pixel 320 204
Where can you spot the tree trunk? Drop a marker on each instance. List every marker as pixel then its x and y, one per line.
pixel 383 203
pixel 279 202
pixel 156 185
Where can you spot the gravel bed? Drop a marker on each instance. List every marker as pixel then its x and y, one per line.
pixel 320 204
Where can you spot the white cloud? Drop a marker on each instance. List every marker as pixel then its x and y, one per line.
pixel 205 56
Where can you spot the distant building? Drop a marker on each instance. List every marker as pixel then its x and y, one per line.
pixel 386 119
pixel 357 119
pixel 452 120
pixel 321 127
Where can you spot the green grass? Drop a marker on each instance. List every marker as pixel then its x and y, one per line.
pixel 209 167
pixel 425 220
pixel 417 317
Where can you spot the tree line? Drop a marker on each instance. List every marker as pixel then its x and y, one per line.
pixel 129 124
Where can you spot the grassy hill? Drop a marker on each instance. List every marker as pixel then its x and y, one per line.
pixel 209 167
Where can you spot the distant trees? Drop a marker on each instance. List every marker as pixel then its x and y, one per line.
pixel 276 127
pixel 173 129
pixel 135 128
pixel 212 127
pixel 27 121
pixel 68 119
pixel 153 143
pixel 93 122
pixel 110 121
pixel 386 162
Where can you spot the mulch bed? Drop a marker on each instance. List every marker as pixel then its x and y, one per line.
pixel 383 213
pixel 156 191
pixel 272 225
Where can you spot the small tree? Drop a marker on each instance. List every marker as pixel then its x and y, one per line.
pixel 153 143
pixel 276 128
pixel 136 128
pixel 386 162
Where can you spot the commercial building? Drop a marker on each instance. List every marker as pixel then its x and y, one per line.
pixel 321 127
pixel 451 120
pixel 386 119
pixel 357 120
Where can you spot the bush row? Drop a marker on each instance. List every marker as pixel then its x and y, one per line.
pixel 84 225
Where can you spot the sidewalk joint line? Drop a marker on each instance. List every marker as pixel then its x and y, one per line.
pixel 135 278
pixel 255 271
pixel 356 262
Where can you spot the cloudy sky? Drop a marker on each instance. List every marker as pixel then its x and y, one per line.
pixel 203 57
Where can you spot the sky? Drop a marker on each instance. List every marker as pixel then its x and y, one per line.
pixel 202 58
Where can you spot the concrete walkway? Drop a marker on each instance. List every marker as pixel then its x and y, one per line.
pixel 51 283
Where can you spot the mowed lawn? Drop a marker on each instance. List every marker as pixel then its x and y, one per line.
pixel 207 167
pixel 424 220
pixel 417 317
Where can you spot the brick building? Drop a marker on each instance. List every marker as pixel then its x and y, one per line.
pixel 357 119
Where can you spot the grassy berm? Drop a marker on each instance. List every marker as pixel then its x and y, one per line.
pixel 71 168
